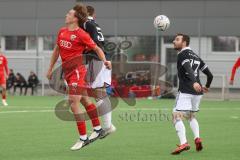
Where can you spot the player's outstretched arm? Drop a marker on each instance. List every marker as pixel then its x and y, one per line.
pixel 101 55
pixel 234 68
pixel 53 61
pixel 209 75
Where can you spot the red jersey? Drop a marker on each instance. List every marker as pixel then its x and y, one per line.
pixel 71 46
pixel 236 65
pixel 3 65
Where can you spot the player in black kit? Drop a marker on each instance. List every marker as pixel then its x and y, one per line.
pixel 190 91
pixel 98 76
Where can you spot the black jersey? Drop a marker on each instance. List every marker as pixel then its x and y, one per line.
pixel 188 65
pixel 95 32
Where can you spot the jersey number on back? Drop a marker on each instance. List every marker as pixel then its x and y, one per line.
pixel 100 35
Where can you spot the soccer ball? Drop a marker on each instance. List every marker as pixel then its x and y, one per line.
pixel 161 22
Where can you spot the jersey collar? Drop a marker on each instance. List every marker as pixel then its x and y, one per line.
pixel 90 17
pixel 183 49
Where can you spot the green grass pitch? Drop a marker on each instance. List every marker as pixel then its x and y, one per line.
pixel 31 131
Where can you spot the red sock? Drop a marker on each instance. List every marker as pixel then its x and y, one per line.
pixel 4 96
pixel 81 125
pixel 92 113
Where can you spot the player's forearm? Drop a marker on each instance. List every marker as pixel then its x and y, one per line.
pixel 209 75
pixel 100 53
pixel 234 68
pixel 233 73
pixel 54 58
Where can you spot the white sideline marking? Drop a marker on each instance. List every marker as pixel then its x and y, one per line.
pixel 234 117
pixel 26 111
pixel 121 109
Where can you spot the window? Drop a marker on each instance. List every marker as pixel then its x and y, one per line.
pixel 15 42
pixel 49 42
pixel 238 43
pixel 168 39
pixel 224 44
pixel 32 42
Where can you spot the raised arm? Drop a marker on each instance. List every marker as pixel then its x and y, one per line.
pixel 53 61
pixel 234 68
pixel 6 67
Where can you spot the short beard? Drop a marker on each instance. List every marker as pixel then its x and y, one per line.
pixel 178 49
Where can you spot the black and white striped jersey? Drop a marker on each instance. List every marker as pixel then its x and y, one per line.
pixel 188 65
pixel 95 32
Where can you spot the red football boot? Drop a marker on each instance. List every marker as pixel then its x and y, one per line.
pixel 198 143
pixel 180 148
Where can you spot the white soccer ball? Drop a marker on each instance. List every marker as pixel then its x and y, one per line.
pixel 161 22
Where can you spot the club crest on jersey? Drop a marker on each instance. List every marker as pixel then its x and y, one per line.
pixel 73 37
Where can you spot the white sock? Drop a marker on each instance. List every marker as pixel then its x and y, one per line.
pixel 97 128
pixel 107 120
pixel 181 131
pixel 83 137
pixel 104 106
pixel 195 127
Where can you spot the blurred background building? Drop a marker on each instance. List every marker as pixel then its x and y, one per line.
pixel 28 31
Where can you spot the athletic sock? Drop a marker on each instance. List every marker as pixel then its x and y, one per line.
pixel 81 125
pixel 4 97
pixel 195 127
pixel 104 106
pixel 83 137
pixel 181 131
pixel 93 115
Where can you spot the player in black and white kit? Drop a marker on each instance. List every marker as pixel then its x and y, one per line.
pixel 190 91
pixel 98 76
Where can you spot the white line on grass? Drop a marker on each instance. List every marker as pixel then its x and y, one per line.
pixel 234 117
pixel 120 109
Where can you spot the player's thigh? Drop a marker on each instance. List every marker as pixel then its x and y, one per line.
pixel 2 82
pixel 192 115
pixel 196 100
pixel 100 92
pixel 3 86
pixel 76 85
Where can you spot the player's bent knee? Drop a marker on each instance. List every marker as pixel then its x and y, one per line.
pixel 192 116
pixel 85 101
pixel 177 116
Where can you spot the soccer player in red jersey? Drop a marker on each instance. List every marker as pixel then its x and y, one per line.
pixel 71 42
pixel 234 68
pixel 3 76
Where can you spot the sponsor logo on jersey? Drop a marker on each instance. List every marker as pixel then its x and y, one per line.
pixel 65 44
pixel 73 37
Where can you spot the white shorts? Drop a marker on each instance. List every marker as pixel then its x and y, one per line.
pixel 98 75
pixel 187 102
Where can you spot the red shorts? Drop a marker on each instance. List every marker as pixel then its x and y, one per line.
pixel 2 80
pixel 76 81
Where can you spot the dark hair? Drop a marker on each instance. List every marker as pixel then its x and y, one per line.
pixel 185 38
pixel 80 13
pixel 90 10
